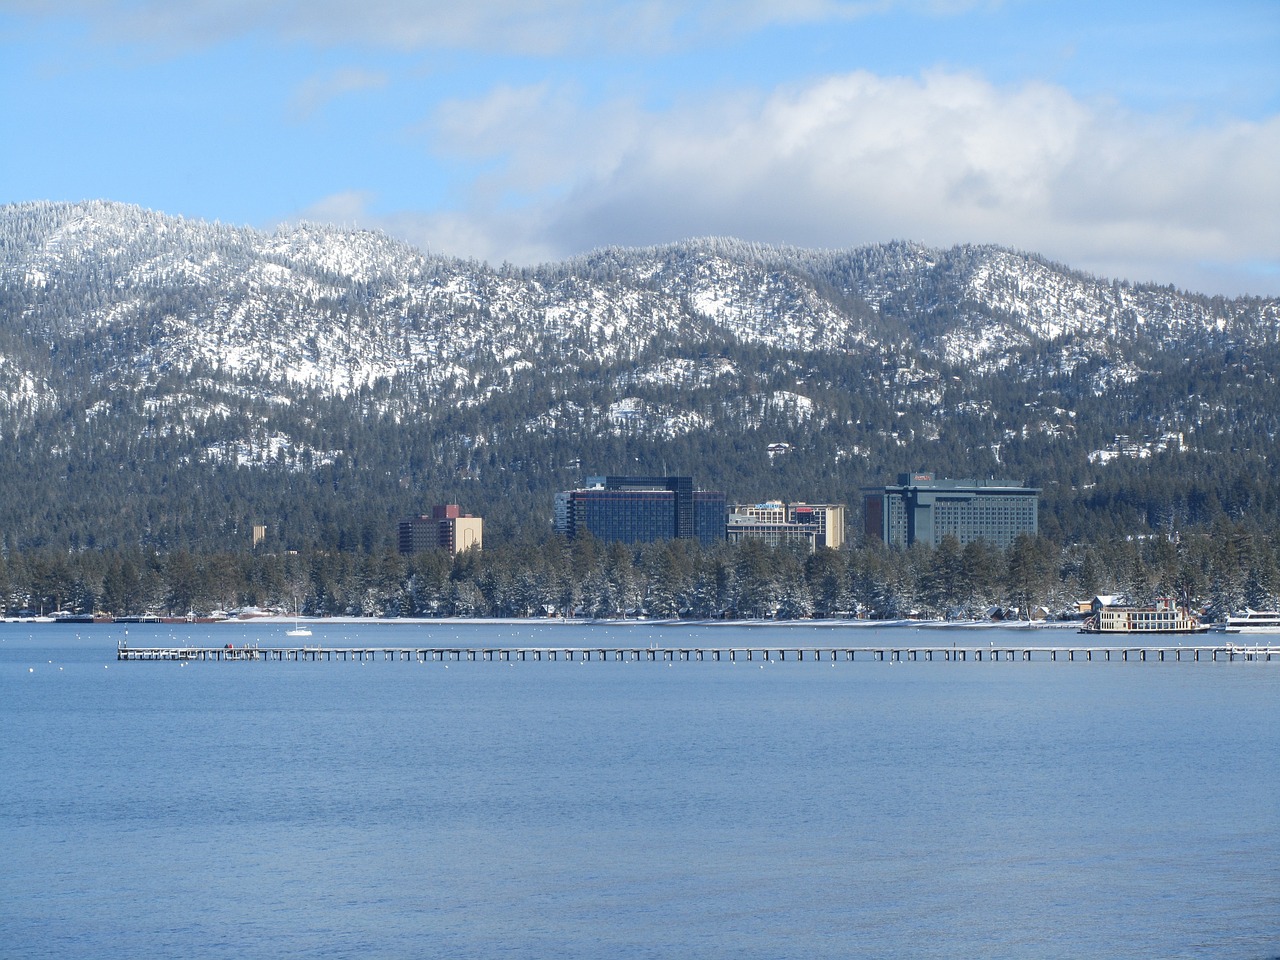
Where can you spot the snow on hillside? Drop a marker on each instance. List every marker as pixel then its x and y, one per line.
pixel 339 312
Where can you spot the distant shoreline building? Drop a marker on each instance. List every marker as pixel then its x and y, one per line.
pixel 923 509
pixel 641 510
pixel 445 528
pixel 775 522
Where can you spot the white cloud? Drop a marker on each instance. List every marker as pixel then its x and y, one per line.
pixel 546 170
pixel 317 91
pixel 509 236
pixel 856 158
pixel 538 27
pixel 495 237
pixel 350 208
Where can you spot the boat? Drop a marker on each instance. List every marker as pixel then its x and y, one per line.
pixel 1254 621
pixel 1163 616
pixel 298 630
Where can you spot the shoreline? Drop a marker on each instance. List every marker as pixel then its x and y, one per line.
pixel 829 624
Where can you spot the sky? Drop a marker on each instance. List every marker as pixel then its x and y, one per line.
pixel 1133 140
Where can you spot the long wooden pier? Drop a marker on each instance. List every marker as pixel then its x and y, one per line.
pixel 1227 652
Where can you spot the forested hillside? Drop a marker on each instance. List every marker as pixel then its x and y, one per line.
pixel 166 384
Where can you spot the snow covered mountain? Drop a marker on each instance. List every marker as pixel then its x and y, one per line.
pixel 337 310
pixel 229 346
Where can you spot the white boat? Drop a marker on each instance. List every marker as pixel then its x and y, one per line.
pixel 298 630
pixel 1254 621
pixel 1163 616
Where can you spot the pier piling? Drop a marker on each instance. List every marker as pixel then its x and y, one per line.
pixel 1216 653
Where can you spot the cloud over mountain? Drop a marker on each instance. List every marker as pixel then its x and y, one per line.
pixel 527 132
pixel 944 158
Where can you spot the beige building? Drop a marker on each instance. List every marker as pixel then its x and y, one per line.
pixel 815 524
pixel 446 528
pixel 458 534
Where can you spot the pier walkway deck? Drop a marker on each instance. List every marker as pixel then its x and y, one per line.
pixel 1227 652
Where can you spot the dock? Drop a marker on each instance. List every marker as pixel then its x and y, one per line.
pixel 1223 652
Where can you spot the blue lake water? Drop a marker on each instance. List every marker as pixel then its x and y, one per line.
pixel 620 810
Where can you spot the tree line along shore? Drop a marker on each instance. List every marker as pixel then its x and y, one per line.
pixel 1221 570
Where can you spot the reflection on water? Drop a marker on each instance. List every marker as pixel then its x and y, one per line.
pixel 630 809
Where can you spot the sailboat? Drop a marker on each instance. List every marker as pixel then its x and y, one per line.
pixel 298 630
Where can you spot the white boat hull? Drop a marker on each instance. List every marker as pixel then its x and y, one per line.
pixel 1254 621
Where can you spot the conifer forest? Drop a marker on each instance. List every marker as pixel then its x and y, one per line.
pixel 166 386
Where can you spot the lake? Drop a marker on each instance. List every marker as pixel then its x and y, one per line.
pixel 630 810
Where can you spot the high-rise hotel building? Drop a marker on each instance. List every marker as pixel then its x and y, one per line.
pixel 923 509
pixel 447 528
pixel 641 510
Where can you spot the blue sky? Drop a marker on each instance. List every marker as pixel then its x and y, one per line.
pixel 1136 140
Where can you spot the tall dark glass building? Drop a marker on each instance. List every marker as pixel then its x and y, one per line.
pixel 641 510
pixel 922 509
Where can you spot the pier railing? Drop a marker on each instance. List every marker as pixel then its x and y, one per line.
pixel 1228 652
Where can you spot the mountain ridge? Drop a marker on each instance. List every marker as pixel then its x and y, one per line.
pixel 131 338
